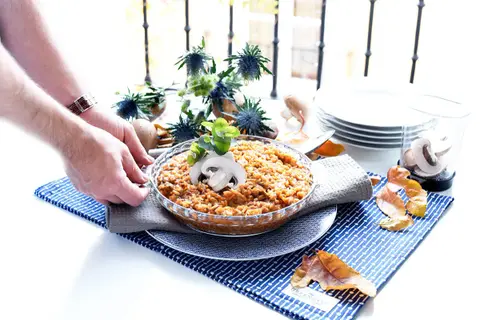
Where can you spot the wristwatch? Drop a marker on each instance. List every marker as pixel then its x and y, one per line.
pixel 82 104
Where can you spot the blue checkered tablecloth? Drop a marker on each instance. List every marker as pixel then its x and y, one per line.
pixel 355 237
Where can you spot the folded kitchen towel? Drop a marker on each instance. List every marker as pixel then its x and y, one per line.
pixel 341 180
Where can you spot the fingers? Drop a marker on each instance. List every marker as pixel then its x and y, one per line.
pixel 131 193
pixel 132 170
pixel 104 202
pixel 110 199
pixel 133 143
pixel 114 199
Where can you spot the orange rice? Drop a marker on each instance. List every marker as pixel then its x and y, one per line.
pixel 275 180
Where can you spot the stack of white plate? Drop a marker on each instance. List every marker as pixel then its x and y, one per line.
pixel 369 115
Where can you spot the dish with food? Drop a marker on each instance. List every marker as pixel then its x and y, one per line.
pixel 255 187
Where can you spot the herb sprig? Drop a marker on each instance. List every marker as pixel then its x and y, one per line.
pixel 219 141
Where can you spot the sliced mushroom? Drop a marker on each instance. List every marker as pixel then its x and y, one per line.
pixel 409 159
pixel 426 159
pixel 222 172
pixel 196 169
pixel 440 144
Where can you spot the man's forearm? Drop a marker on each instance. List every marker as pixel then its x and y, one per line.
pixel 24 34
pixel 25 104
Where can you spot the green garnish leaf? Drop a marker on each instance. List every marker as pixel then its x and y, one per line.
pixel 195 148
pixel 220 123
pixel 205 142
pixel 220 140
pixel 191 159
pixel 196 153
pixel 221 146
pixel 231 132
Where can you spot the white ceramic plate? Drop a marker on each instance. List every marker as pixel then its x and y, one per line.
pixel 370 105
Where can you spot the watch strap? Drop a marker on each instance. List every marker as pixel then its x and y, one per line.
pixel 82 104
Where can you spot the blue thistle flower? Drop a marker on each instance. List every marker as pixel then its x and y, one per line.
pixel 185 129
pixel 127 109
pixel 250 118
pixel 195 60
pixel 220 92
pixel 250 63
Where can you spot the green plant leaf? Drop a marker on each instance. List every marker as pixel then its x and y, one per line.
pixel 205 143
pixel 195 148
pixel 231 132
pixel 221 146
pixel 225 73
pixel 190 159
pixel 220 123
pixel 214 67
pixel 207 124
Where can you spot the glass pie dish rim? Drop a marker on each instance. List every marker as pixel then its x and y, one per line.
pixel 180 148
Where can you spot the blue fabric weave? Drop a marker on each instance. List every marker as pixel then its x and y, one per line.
pixel 355 237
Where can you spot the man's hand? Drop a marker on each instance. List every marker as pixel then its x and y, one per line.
pixel 101 166
pixel 120 129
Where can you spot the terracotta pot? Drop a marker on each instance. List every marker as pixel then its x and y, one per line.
pixel 228 106
pixel 271 135
pixel 157 111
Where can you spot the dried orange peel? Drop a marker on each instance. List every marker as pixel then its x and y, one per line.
pixel 375 180
pixel 330 149
pixel 331 273
pixel 396 224
pixel 391 204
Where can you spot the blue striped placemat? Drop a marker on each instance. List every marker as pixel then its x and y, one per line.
pixel 355 237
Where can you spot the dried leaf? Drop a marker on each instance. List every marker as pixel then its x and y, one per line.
pixel 375 180
pixel 331 273
pixel 417 206
pixel 330 149
pixel 301 278
pixel 398 176
pixel 396 224
pixel 389 202
pixel 413 189
pixel 397 180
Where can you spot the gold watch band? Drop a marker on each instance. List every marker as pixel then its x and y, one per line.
pixel 82 104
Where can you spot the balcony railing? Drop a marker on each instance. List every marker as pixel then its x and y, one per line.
pixel 276 40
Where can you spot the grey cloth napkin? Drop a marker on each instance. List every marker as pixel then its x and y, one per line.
pixel 341 180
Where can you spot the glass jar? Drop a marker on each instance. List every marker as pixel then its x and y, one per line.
pixel 430 150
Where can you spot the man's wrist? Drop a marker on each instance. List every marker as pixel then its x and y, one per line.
pixel 82 104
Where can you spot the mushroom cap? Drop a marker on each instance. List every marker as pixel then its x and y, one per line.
pixel 226 169
pixel 440 144
pixel 409 159
pixel 422 149
pixel 196 169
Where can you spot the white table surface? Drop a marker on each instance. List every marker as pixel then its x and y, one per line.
pixel 55 265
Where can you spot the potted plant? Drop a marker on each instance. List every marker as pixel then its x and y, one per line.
pixel 220 90
pixel 147 102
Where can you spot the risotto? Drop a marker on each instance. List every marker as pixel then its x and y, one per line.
pixel 275 180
